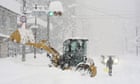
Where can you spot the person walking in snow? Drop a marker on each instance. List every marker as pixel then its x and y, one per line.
pixel 109 65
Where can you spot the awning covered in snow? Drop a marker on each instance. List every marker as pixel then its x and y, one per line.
pixel 3 37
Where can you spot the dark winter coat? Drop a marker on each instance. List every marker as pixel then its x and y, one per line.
pixel 109 63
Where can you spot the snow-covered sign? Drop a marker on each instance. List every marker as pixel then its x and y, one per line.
pixel 56 6
pixel 11 5
pixel 31 20
pixel 39 10
pixel 38 13
pixel 23 19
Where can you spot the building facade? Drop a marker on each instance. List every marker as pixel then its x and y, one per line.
pixel 8 24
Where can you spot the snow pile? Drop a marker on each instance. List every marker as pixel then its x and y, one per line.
pixel 36 71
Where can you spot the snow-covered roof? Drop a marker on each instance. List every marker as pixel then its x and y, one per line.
pixel 11 5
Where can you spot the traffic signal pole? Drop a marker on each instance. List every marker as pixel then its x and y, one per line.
pixel 48 27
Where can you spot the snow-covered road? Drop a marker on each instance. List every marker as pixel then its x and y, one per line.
pixel 36 71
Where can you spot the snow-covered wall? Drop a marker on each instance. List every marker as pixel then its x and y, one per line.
pixel 108 24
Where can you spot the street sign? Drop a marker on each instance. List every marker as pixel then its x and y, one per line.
pixel 39 10
pixel 23 19
pixel 38 13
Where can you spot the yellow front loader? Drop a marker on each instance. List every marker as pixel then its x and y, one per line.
pixel 73 52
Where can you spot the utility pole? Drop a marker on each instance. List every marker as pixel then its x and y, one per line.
pixel 23 46
pixel 35 31
pixel 24 7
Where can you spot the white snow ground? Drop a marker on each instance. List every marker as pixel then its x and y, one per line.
pixel 36 71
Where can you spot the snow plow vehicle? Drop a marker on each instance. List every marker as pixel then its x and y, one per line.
pixel 74 55
pixel 74 51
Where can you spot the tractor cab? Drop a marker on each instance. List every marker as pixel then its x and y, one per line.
pixel 74 51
